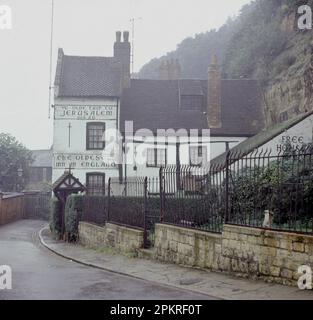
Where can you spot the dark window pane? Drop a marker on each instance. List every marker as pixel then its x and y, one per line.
pixel 191 102
pixel 95 183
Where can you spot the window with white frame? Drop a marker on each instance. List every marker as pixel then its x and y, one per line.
pixel 198 155
pixel 156 157
pixel 94 136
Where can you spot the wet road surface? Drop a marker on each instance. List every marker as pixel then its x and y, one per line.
pixel 40 274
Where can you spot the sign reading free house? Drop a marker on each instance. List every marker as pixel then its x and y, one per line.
pixel 107 112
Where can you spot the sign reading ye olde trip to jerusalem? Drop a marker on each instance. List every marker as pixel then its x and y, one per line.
pixel 107 112
pixel 81 161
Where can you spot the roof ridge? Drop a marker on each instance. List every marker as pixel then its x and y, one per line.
pixel 99 57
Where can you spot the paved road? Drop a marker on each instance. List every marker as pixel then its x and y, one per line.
pixel 40 274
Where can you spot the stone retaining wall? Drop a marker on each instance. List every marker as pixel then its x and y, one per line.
pixel 187 246
pixel 121 238
pixel 273 256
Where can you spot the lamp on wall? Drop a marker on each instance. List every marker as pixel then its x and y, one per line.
pixel 135 157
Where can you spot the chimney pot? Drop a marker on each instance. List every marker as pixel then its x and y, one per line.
pixel 118 36
pixel 126 36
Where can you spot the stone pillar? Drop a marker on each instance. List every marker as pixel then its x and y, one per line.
pixel 214 94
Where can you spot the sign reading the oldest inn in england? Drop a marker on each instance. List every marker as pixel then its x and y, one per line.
pixel 81 161
pixel 107 112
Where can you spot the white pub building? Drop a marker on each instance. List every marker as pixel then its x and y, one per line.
pixel 95 94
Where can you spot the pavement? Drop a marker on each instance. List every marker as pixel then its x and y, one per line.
pixel 38 273
pixel 210 284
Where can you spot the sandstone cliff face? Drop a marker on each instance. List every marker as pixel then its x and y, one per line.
pixel 288 90
pixel 263 43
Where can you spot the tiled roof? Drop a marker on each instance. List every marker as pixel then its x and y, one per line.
pixel 67 181
pixel 88 76
pixel 155 104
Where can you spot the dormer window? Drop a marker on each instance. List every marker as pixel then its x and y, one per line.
pixel 194 102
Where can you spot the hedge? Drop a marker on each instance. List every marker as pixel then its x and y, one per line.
pixel 73 210
pixel 130 211
pixel 55 217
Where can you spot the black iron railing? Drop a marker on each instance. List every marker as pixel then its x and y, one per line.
pixel 259 189
pixel 193 197
pixel 272 190
pixel 126 201
pixel 135 202
pixel 95 209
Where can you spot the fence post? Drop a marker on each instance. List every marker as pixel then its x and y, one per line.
pixel 145 232
pixel 227 188
pixel 109 200
pixel 161 195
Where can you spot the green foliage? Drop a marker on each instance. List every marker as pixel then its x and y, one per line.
pixel 285 187
pixel 55 217
pixel 257 41
pixel 13 156
pixel 94 209
pixel 246 46
pixel 128 210
pixel 73 210
pixel 195 54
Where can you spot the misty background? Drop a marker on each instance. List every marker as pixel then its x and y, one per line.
pixel 86 27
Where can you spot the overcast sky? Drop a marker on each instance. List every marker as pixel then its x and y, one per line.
pixel 85 27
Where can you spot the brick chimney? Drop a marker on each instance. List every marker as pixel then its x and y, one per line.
pixel 214 94
pixel 122 53
pixel 170 70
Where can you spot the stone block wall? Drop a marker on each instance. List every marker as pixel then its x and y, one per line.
pixel 187 246
pixel 272 255
pixel 250 252
pixel 92 235
pixel 123 239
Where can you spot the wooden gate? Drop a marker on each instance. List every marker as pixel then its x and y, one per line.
pixel 37 205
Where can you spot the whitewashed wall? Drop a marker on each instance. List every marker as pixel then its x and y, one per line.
pixel 84 161
pixel 299 134
pixel 215 148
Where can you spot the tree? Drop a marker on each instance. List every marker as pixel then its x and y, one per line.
pixel 15 160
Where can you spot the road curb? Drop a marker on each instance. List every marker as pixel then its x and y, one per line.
pixel 42 241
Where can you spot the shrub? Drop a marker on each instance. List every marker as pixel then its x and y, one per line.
pixel 285 187
pixel 94 209
pixel 73 210
pixel 55 217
